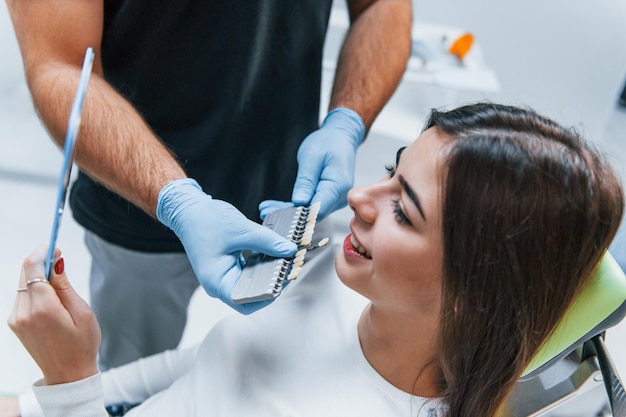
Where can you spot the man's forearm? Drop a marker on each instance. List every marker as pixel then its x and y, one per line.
pixel 373 58
pixel 115 146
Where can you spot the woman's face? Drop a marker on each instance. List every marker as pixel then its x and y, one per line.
pixel 393 255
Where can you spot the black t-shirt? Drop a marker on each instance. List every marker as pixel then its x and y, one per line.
pixel 232 87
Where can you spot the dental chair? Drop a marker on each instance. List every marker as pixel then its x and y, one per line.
pixel 573 375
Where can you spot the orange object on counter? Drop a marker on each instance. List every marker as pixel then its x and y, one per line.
pixel 461 46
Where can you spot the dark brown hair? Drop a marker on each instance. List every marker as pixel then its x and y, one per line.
pixel 529 208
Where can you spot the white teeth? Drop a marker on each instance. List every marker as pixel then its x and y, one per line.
pixel 358 247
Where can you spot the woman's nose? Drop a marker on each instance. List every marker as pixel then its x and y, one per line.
pixel 362 200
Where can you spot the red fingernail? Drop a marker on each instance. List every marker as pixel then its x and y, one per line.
pixel 59 267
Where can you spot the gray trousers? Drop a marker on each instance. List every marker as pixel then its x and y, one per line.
pixel 139 298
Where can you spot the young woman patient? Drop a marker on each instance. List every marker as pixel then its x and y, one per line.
pixel 459 264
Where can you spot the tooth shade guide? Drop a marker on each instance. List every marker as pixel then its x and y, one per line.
pixel 263 277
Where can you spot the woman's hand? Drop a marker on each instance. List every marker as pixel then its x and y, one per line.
pixel 54 324
pixel 9 407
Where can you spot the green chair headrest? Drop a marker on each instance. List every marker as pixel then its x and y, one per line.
pixel 600 305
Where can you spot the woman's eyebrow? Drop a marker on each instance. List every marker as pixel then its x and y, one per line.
pixel 409 191
pixel 398 154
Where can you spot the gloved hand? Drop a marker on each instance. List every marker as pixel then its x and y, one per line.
pixel 268 206
pixel 213 234
pixel 326 161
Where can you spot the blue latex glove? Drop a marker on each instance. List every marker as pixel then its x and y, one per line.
pixel 213 234
pixel 326 162
pixel 268 206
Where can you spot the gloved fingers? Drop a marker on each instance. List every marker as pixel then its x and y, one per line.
pixel 225 286
pixel 210 274
pixel 331 198
pixel 309 172
pixel 261 239
pixel 268 206
pixel 335 181
pixel 233 232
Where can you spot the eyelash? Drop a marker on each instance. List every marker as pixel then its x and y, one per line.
pixel 395 204
pixel 400 216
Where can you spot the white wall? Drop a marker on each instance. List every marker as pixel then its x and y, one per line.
pixel 11 69
pixel 565 58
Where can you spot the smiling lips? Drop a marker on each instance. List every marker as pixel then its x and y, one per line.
pixel 354 245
